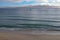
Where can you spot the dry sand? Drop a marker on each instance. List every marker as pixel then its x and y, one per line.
pixel 11 35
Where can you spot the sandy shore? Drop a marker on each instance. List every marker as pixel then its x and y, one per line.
pixel 18 35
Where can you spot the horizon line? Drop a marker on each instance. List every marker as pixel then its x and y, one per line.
pixel 26 5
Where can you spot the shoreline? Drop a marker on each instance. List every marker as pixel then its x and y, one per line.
pixel 32 32
pixel 26 35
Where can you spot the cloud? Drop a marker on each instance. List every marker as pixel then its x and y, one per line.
pixel 10 0
pixel 15 0
pixel 25 0
pixel 31 0
pixel 57 1
pixel 43 1
pixel 47 1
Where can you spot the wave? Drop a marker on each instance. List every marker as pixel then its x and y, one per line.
pixel 34 20
pixel 28 25
pixel 29 29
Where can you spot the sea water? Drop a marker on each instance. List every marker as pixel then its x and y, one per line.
pixel 30 18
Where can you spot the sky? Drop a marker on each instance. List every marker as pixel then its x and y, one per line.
pixel 6 3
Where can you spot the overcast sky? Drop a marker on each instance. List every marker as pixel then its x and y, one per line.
pixel 24 2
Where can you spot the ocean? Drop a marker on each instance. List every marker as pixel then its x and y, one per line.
pixel 41 18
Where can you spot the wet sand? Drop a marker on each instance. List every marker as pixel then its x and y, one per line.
pixel 19 35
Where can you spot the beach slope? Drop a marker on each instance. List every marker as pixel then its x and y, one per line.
pixel 21 36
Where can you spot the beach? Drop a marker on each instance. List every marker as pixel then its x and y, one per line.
pixel 30 23
pixel 20 35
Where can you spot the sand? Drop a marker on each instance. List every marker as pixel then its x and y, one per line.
pixel 19 35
